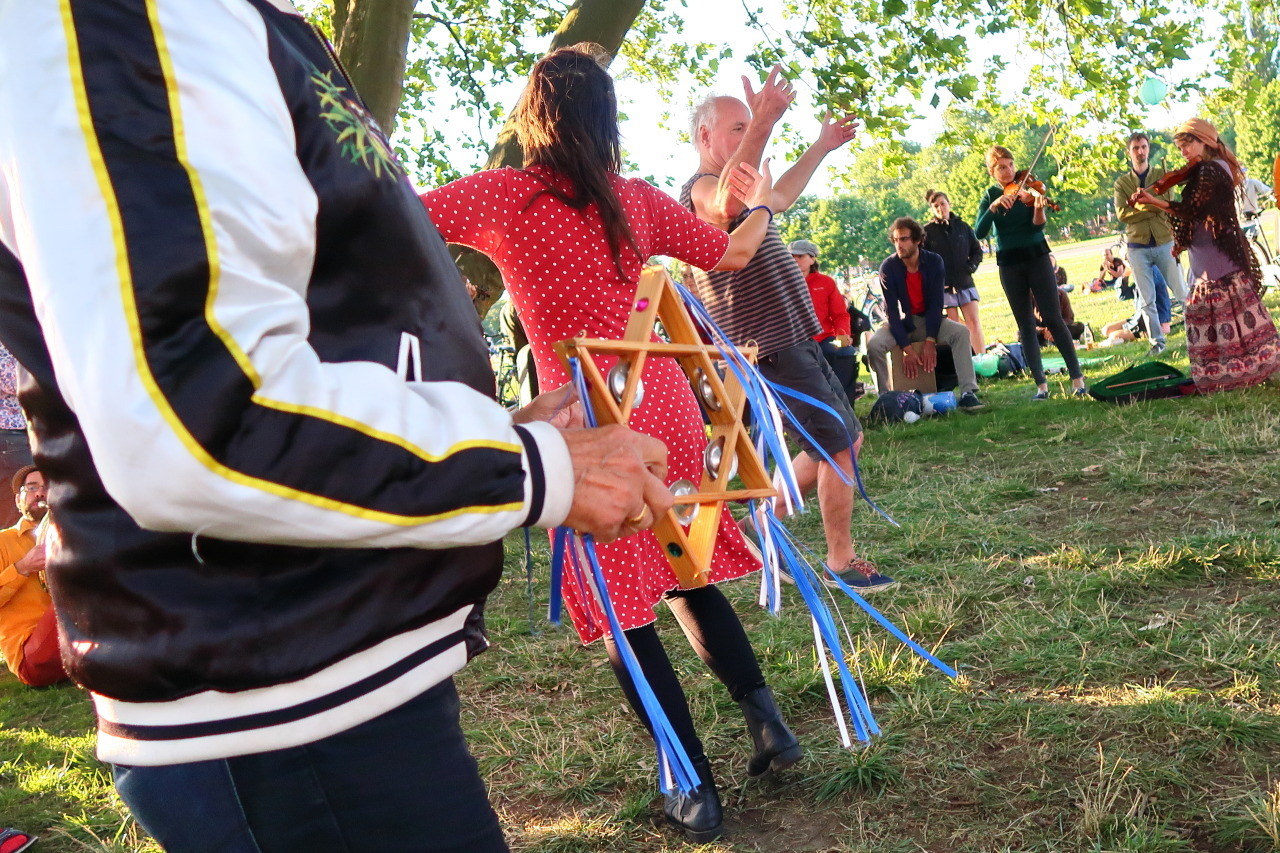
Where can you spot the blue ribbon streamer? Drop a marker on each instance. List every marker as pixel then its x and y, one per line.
pixel 559 541
pixel 674 765
pixel 749 377
pixel 754 388
pixel 877 615
pixel 673 761
pixel 859 706
pixel 857 476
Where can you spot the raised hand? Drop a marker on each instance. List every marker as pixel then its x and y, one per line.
pixel 773 99
pixel 751 187
pixel 836 131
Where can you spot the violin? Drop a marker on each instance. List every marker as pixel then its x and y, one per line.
pixel 1167 182
pixel 1024 181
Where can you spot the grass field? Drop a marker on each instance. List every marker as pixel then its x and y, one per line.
pixel 1106 578
pixel 1097 309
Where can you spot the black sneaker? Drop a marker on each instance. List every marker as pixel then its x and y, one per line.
pixel 969 402
pixel 1040 395
pixel 1156 348
pixel 1080 392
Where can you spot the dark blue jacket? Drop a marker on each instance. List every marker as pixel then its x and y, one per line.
pixel 893 283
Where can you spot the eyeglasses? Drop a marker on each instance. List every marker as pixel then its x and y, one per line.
pixel 31 487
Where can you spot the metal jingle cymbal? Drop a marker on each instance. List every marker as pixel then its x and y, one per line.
pixel 685 513
pixel 713 456
pixel 707 394
pixel 617 382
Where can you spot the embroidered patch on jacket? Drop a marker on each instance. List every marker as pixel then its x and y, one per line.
pixel 357 134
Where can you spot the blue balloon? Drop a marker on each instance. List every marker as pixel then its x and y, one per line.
pixel 1152 91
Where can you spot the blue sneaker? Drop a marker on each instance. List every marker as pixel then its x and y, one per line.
pixel 861 575
pixel 1040 395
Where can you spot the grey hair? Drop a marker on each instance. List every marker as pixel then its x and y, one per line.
pixel 705 113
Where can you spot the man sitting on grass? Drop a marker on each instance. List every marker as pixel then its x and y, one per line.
pixel 912 280
pixel 28 629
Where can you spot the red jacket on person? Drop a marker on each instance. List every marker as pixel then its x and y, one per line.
pixel 829 305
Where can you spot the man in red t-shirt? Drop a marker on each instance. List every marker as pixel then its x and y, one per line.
pixel 912 282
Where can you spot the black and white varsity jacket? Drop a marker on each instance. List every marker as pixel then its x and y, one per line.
pixel 257 386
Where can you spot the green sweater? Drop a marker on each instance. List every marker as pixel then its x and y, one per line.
pixel 1144 225
pixel 1018 238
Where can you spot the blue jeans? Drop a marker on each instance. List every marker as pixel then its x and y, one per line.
pixel 1164 305
pixel 1144 261
pixel 400 783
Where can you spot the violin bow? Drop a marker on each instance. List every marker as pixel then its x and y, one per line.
pixel 1036 159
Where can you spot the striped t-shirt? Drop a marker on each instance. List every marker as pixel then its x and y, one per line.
pixel 765 303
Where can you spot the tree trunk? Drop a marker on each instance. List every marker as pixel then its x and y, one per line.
pixel 372 40
pixel 604 22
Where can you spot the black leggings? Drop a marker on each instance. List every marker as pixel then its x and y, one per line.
pixel 1030 278
pixel 712 627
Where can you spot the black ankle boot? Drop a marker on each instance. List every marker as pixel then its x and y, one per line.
pixel 776 746
pixel 699 813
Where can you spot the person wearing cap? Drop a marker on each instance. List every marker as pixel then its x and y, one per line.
pixel 828 303
pixel 836 337
pixel 1231 337
pixel 28 627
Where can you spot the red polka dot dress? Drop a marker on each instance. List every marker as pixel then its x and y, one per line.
pixel 556 265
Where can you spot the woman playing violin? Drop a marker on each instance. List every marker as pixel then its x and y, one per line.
pixel 1231 337
pixel 1018 214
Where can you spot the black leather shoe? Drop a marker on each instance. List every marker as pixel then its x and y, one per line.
pixel 775 745
pixel 698 813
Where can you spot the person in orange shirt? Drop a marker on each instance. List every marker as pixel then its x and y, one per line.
pixel 28 628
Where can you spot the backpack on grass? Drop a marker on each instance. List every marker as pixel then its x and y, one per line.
pixel 893 407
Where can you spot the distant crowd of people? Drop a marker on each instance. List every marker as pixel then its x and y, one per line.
pixel 267 497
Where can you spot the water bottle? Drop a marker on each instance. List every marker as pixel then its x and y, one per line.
pixel 941 402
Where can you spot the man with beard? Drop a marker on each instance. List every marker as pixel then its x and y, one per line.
pixel 1149 237
pixel 912 281
pixel 28 629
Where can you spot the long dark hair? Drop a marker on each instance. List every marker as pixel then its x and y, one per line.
pixel 567 123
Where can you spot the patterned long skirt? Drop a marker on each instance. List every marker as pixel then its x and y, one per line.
pixel 1231 338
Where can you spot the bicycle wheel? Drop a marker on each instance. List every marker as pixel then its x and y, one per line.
pixel 1266 261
